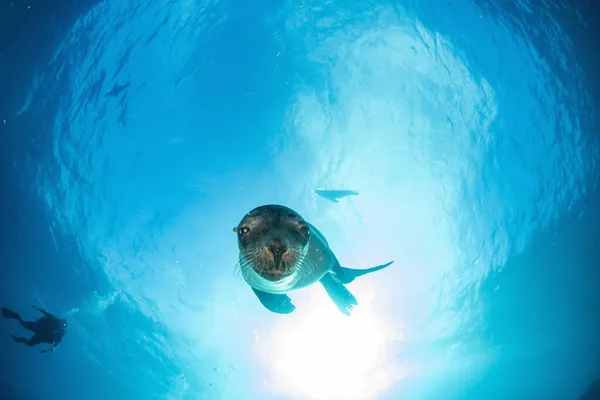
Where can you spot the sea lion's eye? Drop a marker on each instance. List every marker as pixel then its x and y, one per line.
pixel 304 229
pixel 243 230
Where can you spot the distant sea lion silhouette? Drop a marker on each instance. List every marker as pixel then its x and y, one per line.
pixel 335 195
pixel 116 90
pixel 280 252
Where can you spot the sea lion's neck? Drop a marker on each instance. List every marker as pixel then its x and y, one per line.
pixel 284 285
pixel 275 287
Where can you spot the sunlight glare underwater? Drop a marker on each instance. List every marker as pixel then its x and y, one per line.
pixel 325 355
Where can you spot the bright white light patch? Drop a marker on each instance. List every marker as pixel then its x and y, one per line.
pixel 322 354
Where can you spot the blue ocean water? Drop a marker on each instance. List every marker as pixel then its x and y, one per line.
pixel 141 132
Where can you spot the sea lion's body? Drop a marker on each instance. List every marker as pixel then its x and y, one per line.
pixel 280 252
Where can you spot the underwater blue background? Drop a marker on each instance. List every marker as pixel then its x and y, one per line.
pixel 470 129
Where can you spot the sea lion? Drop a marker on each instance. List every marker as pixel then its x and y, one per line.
pixel 335 195
pixel 281 252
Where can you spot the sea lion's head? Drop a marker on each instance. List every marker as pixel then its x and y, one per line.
pixel 272 240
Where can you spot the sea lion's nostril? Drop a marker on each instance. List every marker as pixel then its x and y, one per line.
pixel 277 249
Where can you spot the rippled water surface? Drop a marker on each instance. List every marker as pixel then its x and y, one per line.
pixel 467 129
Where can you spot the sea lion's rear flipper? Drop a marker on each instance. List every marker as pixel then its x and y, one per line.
pixel 277 303
pixel 343 299
pixel 347 275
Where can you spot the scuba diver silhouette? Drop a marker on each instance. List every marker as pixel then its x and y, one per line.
pixel 47 329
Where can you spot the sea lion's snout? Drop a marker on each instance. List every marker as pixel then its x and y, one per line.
pixel 277 249
pixel 278 259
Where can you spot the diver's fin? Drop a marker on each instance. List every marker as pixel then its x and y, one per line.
pixel 343 299
pixel 18 339
pixel 6 313
pixel 277 303
pixel 347 275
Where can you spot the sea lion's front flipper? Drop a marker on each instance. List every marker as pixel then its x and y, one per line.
pixel 347 275
pixel 277 303
pixel 343 299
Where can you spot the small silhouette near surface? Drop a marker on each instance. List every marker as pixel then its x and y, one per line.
pixel 46 329
pixel 335 195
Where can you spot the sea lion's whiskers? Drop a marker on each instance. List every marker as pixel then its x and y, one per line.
pixel 301 270
pixel 237 268
pixel 306 269
pixel 248 266
pixel 245 264
pixel 242 269
pixel 239 264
